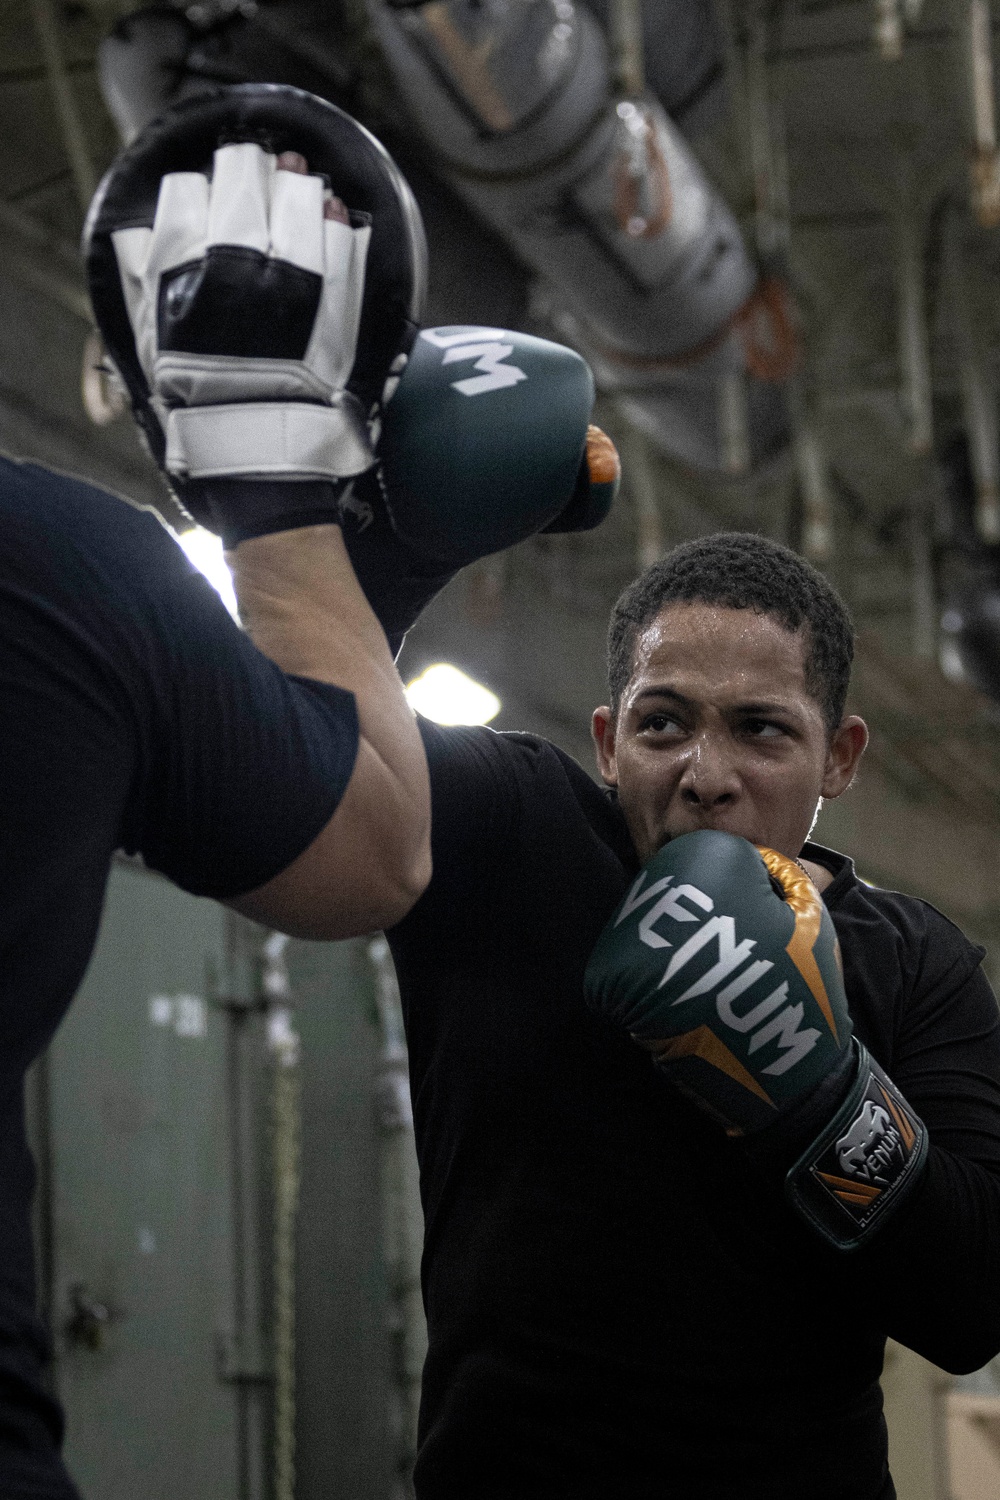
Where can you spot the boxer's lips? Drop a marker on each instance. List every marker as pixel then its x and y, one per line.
pixel 717 824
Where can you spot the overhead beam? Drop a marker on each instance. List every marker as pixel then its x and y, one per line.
pixel 35 259
pixel 64 99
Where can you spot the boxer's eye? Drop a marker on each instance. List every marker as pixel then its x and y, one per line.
pixel 659 723
pixel 764 729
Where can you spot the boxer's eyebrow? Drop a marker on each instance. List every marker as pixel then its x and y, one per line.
pixel 764 707
pixel 663 692
pixel 751 706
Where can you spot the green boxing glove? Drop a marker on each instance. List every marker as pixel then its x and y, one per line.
pixel 723 963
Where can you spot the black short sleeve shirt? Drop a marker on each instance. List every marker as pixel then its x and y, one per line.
pixel 133 713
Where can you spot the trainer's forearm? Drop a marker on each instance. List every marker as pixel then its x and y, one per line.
pixel 302 606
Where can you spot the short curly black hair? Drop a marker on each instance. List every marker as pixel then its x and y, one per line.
pixel 741 570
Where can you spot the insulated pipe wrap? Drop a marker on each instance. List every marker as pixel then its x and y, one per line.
pixel 647 286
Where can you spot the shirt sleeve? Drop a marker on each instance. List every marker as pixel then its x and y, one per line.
pixel 204 757
pixel 475 808
pixel 500 819
pixel 930 1277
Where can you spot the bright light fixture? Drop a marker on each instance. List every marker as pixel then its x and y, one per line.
pixel 448 696
pixel 205 551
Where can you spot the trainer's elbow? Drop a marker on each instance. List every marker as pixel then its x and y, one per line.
pixel 364 871
pixel 391 871
pixel 403 892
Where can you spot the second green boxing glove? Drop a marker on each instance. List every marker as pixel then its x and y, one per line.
pixel 723 963
pixel 485 441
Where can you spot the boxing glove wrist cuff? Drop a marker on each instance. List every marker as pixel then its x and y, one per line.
pixel 864 1164
pixel 268 439
pixel 237 509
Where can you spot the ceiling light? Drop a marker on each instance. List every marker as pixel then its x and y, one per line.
pixel 205 551
pixel 447 696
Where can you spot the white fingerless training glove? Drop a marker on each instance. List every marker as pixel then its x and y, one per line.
pixel 245 303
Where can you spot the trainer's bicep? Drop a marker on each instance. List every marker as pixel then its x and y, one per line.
pixel 363 871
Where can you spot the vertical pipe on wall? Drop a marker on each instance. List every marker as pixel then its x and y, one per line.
pixel 916 396
pixel 628 70
pixel 760 137
pixel 985 161
pixel 769 157
pixel 923 603
pixel 765 132
pixel 244 1363
pixel 38 1121
pixel 978 396
pixel 814 484
pixel 640 479
pixel 914 340
pixel 887 30
pixel 725 21
pixel 283 1045
pixel 734 422
pixel 402 1218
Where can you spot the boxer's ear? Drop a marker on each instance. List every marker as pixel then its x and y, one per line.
pixel 847 745
pixel 603 729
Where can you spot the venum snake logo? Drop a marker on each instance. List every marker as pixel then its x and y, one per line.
pixel 872 1147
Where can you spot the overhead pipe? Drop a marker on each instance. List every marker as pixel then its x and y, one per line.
pixel 629 78
pixel 141 67
pixel 37 259
pixel 571 157
pixel 595 188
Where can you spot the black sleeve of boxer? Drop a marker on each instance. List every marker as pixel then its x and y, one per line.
pixel 483 835
pixel 475 807
pixel 208 760
pixel 930 1277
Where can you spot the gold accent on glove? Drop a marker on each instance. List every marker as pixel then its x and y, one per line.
pixel 807 906
pixel 603 464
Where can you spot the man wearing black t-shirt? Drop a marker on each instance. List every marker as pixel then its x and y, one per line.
pixel 279 770
pixel 619 1301
pixel 136 714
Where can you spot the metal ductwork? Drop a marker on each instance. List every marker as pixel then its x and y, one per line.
pixel 141 67
pixel 639 261
pixel 643 265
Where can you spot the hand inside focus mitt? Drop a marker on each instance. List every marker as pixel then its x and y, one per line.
pixel 245 301
pixel 265 334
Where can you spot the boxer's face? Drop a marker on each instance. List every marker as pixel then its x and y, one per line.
pixel 717 729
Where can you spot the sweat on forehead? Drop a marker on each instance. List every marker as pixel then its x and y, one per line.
pixel 740 570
